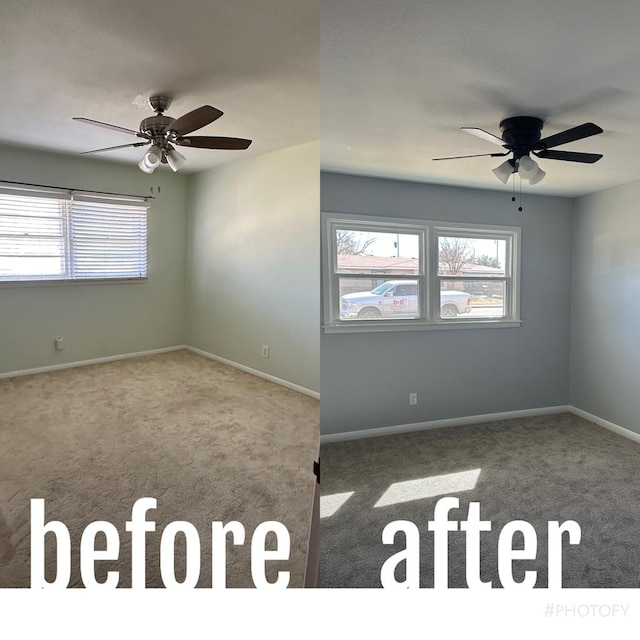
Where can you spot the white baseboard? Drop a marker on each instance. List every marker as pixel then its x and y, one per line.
pixel 437 424
pixel 256 372
pixel 347 435
pixel 124 356
pixel 601 422
pixel 83 363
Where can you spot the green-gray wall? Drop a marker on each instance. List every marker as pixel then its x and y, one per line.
pixel 605 348
pixel 367 377
pixel 98 320
pixel 254 263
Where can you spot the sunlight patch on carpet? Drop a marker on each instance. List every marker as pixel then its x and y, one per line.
pixel 329 505
pixel 428 487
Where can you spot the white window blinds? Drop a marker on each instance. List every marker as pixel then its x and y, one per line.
pixel 51 234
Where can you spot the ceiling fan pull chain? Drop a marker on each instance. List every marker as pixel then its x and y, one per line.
pixel 520 203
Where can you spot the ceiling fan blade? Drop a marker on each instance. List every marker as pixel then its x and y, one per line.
pixel 196 119
pixel 570 156
pixel 485 135
pixel 478 155
pixel 213 142
pixel 120 146
pixel 106 125
pixel 570 135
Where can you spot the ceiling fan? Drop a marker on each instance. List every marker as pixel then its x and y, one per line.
pixel 163 132
pixel 521 138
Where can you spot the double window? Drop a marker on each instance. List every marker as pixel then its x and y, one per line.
pixel 51 234
pixel 386 274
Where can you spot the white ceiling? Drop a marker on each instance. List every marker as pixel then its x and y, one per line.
pixel 400 78
pixel 256 60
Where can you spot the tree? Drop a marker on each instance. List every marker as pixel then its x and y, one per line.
pixel 350 243
pixel 454 254
pixel 487 261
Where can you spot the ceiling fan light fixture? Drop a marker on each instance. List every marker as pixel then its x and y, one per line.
pixel 527 167
pixel 154 155
pixel 175 159
pixel 504 171
pixel 146 166
pixel 537 177
pixel 151 159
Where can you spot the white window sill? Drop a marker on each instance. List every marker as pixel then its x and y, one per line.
pixel 13 284
pixel 369 326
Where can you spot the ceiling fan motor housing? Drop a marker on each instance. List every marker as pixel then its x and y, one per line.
pixel 155 125
pixel 521 134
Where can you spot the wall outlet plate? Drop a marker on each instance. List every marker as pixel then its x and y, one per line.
pixel 413 398
pixel 265 351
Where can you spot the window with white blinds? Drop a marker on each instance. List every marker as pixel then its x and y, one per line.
pixel 51 234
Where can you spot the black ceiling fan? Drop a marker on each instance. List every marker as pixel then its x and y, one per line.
pixel 163 132
pixel 521 137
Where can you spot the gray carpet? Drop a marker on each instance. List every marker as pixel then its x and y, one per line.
pixel 558 467
pixel 209 442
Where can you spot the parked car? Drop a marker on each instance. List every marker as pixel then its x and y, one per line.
pixel 398 298
pixel 484 287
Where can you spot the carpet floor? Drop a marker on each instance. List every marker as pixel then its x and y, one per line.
pixel 557 467
pixel 209 442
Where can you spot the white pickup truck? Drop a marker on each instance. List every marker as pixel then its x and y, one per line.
pixel 398 298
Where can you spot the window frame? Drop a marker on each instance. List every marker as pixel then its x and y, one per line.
pixel 428 279
pixel 383 226
pixel 71 221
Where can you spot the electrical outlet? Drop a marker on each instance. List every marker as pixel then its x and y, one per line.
pixel 413 398
pixel 265 351
pixel 59 343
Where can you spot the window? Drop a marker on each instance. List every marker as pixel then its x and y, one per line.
pixel 376 271
pixel 390 274
pixel 52 234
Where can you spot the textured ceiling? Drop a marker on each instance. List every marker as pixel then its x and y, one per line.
pixel 256 60
pixel 400 78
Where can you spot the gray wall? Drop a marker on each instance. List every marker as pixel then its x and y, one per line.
pixel 254 263
pixel 98 320
pixel 605 343
pixel 366 378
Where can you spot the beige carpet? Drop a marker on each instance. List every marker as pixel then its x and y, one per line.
pixel 211 443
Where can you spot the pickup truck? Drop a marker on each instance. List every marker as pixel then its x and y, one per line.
pixel 397 298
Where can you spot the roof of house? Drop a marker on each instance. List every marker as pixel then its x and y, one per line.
pixel 383 264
